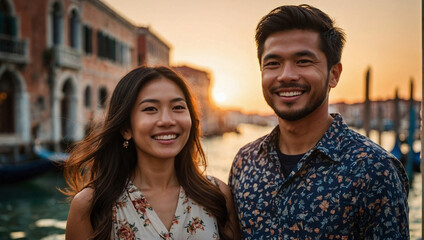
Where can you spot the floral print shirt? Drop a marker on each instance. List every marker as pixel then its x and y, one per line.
pixel 134 218
pixel 346 187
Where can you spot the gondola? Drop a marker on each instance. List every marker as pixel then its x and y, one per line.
pixel 403 157
pixel 24 169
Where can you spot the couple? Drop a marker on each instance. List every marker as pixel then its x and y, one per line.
pixel 310 178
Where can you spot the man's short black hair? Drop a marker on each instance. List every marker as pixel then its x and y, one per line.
pixel 302 17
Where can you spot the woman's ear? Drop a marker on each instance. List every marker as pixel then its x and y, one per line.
pixel 335 73
pixel 126 134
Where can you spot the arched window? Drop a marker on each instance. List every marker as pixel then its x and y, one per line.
pixel 102 97
pixel 56 19
pixel 7 20
pixel 73 29
pixel 7 103
pixel 66 108
pixel 40 103
pixel 87 97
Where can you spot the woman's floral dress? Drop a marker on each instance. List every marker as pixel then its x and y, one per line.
pixel 134 218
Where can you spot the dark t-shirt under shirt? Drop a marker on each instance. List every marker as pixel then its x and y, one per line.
pixel 288 162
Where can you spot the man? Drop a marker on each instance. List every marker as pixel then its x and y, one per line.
pixel 312 177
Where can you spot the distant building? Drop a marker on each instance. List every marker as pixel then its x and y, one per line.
pixel 152 50
pixel 109 50
pixel 382 115
pixel 200 82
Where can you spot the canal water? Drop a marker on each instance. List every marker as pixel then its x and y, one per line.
pixel 35 209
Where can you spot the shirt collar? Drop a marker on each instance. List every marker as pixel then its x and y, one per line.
pixel 329 144
pixel 270 140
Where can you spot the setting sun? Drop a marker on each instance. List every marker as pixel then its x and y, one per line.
pixel 219 97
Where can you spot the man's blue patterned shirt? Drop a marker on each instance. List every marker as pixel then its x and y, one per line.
pixel 346 187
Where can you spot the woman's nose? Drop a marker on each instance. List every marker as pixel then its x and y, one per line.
pixel 166 119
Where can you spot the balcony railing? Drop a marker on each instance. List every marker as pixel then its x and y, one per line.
pixel 13 50
pixel 67 57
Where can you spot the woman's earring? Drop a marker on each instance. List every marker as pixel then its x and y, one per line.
pixel 125 144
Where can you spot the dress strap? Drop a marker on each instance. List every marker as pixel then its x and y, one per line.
pixel 212 180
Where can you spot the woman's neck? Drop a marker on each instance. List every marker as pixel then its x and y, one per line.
pixel 155 174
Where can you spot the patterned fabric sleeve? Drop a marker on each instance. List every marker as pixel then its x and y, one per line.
pixel 234 177
pixel 385 201
pixel 231 177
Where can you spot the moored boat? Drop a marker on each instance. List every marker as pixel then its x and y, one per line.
pixel 44 161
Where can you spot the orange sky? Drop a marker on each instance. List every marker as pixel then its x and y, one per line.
pixel 219 36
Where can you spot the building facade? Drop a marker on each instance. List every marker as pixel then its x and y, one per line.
pixel 152 50
pixel 384 114
pixel 199 81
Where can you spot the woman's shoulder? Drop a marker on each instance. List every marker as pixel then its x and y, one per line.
pixel 82 200
pixel 78 225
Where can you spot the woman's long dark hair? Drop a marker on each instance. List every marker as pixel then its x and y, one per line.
pixel 100 162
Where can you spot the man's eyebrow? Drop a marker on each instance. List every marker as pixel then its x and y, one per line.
pixel 271 56
pixel 305 53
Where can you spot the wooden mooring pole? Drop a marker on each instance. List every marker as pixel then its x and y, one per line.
pixel 367 105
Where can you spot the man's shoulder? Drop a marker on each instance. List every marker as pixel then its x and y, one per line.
pixel 371 157
pixel 359 144
pixel 251 152
pixel 342 142
pixel 365 160
pixel 250 158
pixel 346 140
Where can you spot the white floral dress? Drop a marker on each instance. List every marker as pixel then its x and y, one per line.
pixel 134 218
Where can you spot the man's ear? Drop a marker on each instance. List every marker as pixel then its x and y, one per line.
pixel 335 72
pixel 126 134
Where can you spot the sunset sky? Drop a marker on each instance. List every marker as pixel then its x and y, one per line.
pixel 218 36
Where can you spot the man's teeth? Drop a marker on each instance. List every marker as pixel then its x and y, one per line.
pixel 289 94
pixel 166 137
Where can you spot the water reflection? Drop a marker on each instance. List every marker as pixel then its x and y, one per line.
pixel 415 207
pixel 220 151
pixel 25 208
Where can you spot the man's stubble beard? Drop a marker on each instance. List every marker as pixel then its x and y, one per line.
pixel 299 114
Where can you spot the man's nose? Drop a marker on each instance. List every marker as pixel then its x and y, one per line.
pixel 289 72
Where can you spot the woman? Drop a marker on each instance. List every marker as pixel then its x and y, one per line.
pixel 139 177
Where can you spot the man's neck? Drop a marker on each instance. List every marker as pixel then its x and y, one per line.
pixel 298 137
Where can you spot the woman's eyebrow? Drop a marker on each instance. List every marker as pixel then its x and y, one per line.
pixel 152 100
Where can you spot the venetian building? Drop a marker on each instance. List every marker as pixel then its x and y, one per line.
pixel 200 82
pixel 152 49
